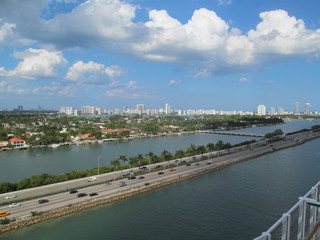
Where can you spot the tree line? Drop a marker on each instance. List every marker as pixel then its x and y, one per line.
pixel 120 163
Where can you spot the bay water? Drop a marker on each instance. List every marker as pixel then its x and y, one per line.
pixel 238 202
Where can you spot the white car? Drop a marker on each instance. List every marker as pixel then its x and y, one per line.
pixel 11 196
pixel 92 179
pixel 14 204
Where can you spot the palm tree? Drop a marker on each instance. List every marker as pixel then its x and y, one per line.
pixel 179 154
pixel 210 147
pixel 166 155
pixel 192 150
pixel 201 149
pixel 150 157
pixel 133 161
pixel 219 145
pixel 115 163
pixel 122 159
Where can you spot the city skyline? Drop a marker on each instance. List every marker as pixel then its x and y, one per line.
pixel 204 55
pixel 141 109
pixel 168 109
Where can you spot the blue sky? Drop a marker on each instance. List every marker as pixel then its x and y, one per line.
pixel 192 54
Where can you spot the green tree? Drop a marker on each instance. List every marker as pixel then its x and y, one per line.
pixel 116 164
pixel 179 154
pixel 192 150
pixel 210 147
pixel 166 155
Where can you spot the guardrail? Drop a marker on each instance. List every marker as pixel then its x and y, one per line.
pixel 301 222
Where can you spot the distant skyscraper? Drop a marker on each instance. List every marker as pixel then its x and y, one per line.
pixel 168 109
pixel 297 109
pixel 88 110
pixel 272 111
pixel 308 109
pixel 261 110
pixel 140 108
pixel 280 111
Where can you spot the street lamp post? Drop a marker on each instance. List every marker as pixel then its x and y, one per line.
pixel 99 164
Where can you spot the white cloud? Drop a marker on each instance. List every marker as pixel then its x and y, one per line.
pixel 93 73
pixel 79 69
pixel 280 34
pixel 115 92
pixel 127 90
pixel 270 82
pixel 6 32
pixel 35 63
pixel 174 82
pixel 243 80
pixel 206 41
pixel 113 71
pixel 224 2
pixel 95 23
pixel 5 87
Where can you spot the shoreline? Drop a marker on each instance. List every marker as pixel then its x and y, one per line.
pixel 75 143
pixel 123 194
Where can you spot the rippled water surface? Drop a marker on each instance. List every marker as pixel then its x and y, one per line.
pixel 237 202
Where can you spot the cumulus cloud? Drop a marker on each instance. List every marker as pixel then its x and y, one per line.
pixel 35 63
pixel 280 34
pixel 127 90
pixel 206 41
pixel 5 87
pixel 93 73
pixel 6 32
pixel 214 48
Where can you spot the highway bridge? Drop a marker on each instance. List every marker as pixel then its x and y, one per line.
pixel 234 133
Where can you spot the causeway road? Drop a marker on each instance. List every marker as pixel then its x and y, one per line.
pixel 58 195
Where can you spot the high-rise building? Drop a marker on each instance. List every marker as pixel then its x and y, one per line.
pixel 272 111
pixel 280 111
pixel 68 110
pixel 168 109
pixel 297 108
pixel 261 110
pixel 88 110
pixel 308 109
pixel 140 108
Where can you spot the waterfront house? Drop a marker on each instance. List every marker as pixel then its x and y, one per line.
pixel 87 136
pixel 17 142
pixel 3 144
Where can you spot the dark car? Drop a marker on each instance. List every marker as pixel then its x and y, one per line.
pixel 73 191
pixel 141 177
pixel 93 194
pixel 122 184
pixel 197 164
pixel 43 201
pixel 188 164
pixel 82 194
pixel 109 182
pixel 132 177
pixel 160 173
